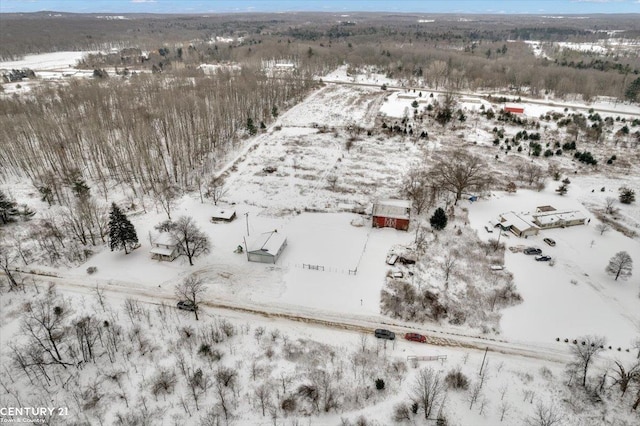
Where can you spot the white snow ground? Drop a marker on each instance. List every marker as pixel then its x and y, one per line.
pixel 553 305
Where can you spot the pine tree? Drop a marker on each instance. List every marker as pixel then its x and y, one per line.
pixel 7 209
pixel 438 220
pixel 122 234
pixel 627 195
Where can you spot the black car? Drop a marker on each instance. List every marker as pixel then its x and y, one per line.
pixel 186 305
pixel 543 258
pixel 532 250
pixel 385 334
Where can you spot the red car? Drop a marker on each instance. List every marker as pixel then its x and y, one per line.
pixel 415 337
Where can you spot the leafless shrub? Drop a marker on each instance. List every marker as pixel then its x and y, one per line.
pixel 455 379
pixel 163 383
pixel 544 415
pixel 401 413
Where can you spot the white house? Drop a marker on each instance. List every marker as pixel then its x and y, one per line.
pixel 559 219
pixel 520 224
pixel 164 247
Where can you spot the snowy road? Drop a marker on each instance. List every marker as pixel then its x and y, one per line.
pixel 339 321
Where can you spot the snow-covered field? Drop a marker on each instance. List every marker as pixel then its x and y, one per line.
pixel 573 295
pixel 567 298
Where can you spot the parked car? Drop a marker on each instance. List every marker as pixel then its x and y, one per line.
pixel 186 305
pixel 549 241
pixel 392 259
pixel 396 274
pixel 415 337
pixel 543 258
pixel 496 267
pixel 381 333
pixel 532 250
pixel 406 260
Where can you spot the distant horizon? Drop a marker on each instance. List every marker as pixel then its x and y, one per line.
pixel 502 7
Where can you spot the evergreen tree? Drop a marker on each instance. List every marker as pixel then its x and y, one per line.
pixel 251 128
pixel 7 209
pixel 633 90
pixel 122 234
pixel 438 220
pixel 627 195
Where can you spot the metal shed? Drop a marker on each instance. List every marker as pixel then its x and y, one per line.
pixel 223 215
pixel 266 247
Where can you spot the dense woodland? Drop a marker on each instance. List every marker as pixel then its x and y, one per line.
pixel 479 52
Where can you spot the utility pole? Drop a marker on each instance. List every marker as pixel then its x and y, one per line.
pixel 483 358
pixel 247 216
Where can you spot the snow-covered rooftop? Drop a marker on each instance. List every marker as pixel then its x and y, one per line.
pixel 398 209
pixel 162 251
pixel 269 242
pixel 556 216
pixel 164 238
pixel 518 220
pixel 223 213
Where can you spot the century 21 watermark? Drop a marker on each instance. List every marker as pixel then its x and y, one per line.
pixel 30 414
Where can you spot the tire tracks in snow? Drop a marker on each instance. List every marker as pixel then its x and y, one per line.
pixel 338 321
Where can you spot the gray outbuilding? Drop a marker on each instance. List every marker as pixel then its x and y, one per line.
pixel 266 247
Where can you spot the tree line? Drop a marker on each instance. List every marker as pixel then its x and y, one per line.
pixel 140 131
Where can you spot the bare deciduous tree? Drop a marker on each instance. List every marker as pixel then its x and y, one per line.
pixel 459 171
pixel 216 189
pixel 603 227
pixel 225 383
pixel 428 390
pixel 544 415
pixel 620 265
pixel 585 350
pixel 263 394
pixel 417 187
pixel 474 393
pixel 504 409
pixel 610 206
pixel 166 194
pixel 45 325
pixel 6 265
pixel 191 290
pixel 623 377
pixel 448 265
pixel 189 238
pixel 163 383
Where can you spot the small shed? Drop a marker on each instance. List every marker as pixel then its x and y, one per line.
pixel 223 215
pixel 266 247
pixel 514 109
pixel 519 224
pixel 164 247
pixel 391 214
pixel 544 209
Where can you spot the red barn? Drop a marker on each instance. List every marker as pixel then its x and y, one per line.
pixel 514 109
pixel 391 214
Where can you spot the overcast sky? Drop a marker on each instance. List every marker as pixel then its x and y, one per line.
pixel 227 6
